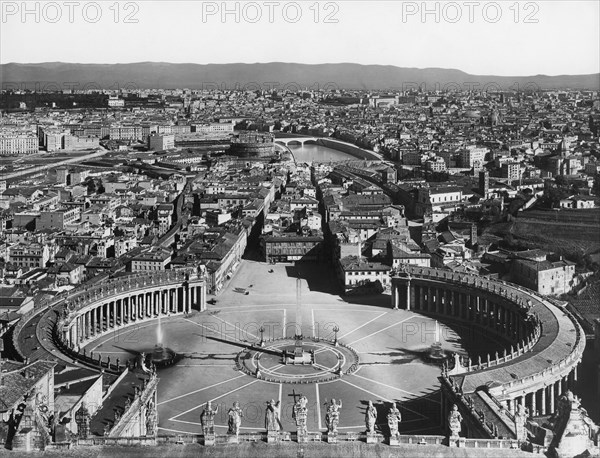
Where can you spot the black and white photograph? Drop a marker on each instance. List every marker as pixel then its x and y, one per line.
pixel 300 229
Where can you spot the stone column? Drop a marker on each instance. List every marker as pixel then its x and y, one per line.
pixel 509 405
pixel 551 395
pixel 447 297
pixel 429 301
pixel 559 387
pixel 203 297
pixel 543 401
pixel 184 298
pixel 408 287
pixel 534 403
pixel 92 313
pixel 78 322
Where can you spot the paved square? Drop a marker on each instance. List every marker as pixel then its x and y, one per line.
pixel 389 344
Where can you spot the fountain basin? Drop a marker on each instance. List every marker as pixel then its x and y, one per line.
pixel 436 352
pixel 162 356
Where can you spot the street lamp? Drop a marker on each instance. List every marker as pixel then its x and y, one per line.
pixel 336 329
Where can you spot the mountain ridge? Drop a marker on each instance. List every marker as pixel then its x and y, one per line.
pixel 165 75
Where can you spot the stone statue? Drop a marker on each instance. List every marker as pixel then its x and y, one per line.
pixel 393 418
pixel 272 421
pixel 150 419
pixel 574 431
pixel 370 418
pixel 332 417
pixel 207 418
pixel 454 419
pixel 235 419
pixel 300 414
pixel 521 422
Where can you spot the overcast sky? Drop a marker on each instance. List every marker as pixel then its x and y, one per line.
pixel 480 37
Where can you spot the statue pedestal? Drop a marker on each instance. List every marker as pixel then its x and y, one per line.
pixel 332 438
pixel 453 441
pixel 272 436
pixel 302 437
pixel 395 439
pixel 371 438
pixel 209 439
pixel 232 439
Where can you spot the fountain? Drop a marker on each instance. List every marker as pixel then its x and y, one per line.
pixel 435 352
pixel 161 356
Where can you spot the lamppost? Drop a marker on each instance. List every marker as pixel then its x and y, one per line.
pixel 336 329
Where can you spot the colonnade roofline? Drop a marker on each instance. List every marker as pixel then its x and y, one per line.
pixel 88 296
pixel 519 295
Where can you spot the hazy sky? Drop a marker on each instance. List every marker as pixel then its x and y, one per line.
pixel 480 37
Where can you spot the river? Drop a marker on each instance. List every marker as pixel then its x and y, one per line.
pixel 316 153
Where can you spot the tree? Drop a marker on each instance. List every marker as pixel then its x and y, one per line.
pixel 553 196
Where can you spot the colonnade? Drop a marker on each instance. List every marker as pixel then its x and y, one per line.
pixel 129 307
pixel 493 312
pixel 542 401
pixel 523 319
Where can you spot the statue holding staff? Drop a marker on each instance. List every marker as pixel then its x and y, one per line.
pixel 370 418
pixel 207 418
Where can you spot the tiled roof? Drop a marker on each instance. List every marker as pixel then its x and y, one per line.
pixel 19 382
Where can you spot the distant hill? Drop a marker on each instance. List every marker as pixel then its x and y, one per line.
pixel 147 75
